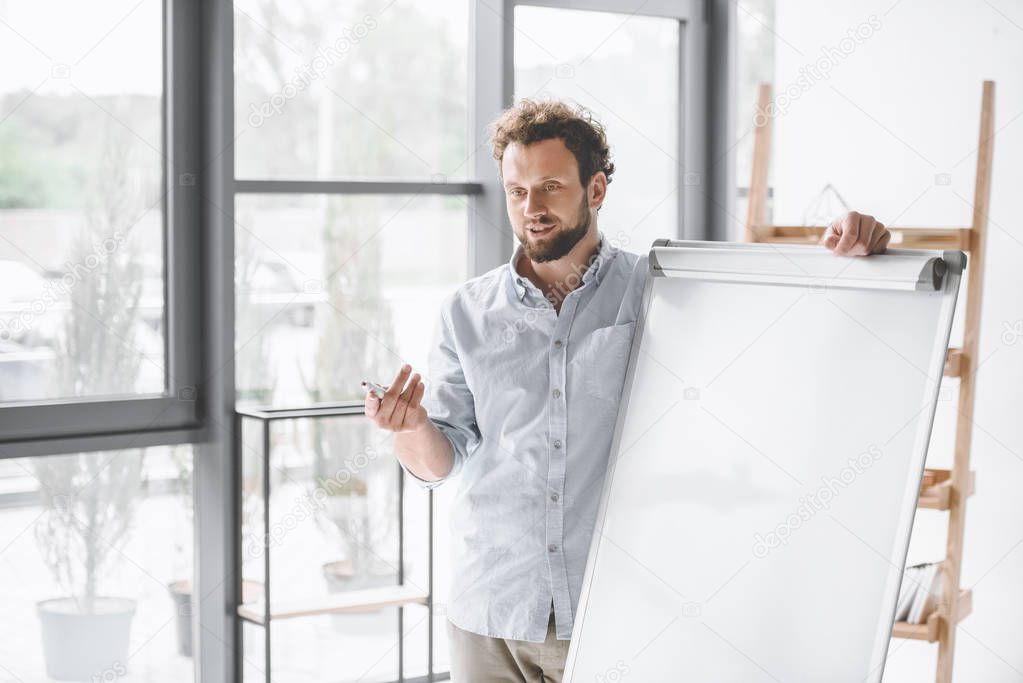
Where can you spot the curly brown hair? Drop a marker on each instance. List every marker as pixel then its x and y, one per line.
pixel 530 121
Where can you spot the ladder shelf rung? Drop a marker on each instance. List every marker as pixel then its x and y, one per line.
pixel 902 238
pixel 931 629
pixel 936 488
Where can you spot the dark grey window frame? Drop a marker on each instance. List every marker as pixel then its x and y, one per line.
pixel 29 428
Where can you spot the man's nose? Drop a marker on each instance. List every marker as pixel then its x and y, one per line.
pixel 533 207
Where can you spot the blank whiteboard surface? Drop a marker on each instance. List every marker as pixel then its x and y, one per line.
pixel 766 464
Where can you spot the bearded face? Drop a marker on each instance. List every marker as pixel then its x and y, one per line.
pixel 547 204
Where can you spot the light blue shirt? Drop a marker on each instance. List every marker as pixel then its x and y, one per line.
pixel 528 398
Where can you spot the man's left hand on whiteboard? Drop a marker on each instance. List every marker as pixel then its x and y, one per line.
pixel 856 234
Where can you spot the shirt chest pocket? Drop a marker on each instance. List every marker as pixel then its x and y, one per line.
pixel 600 360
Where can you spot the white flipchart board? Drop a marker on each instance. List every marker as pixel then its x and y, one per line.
pixel 765 466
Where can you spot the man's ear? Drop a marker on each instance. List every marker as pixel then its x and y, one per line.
pixel 597 190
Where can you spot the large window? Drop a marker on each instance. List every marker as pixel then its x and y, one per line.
pixel 366 89
pixel 348 291
pixel 625 69
pixel 81 202
pixel 98 340
pixel 96 566
pixel 337 282
pixel 352 222
pixel 94 319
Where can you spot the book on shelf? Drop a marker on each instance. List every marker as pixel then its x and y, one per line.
pixel 920 592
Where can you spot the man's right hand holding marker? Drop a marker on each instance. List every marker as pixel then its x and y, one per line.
pixel 399 410
pixel 421 447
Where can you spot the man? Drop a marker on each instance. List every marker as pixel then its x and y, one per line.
pixel 525 380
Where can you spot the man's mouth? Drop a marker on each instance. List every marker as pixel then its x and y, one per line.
pixel 540 229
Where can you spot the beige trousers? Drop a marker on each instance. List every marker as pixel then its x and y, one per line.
pixel 481 659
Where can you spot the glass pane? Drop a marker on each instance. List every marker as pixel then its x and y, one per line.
pixel 754 65
pixel 81 200
pixel 373 88
pixel 334 497
pixel 96 566
pixel 593 59
pixel 443 497
pixel 338 648
pixel 253 519
pixel 253 653
pixel 415 639
pixel 417 566
pixel 332 290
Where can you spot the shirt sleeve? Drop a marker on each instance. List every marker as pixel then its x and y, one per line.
pixel 448 401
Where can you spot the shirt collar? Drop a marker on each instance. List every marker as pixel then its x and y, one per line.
pixel 597 268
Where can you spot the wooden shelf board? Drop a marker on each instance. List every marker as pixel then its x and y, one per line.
pixel 930 629
pixel 338 603
pixel 936 488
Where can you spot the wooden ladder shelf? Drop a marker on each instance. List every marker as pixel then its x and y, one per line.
pixel 941 489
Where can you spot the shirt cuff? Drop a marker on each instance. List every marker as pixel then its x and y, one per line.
pixel 423 483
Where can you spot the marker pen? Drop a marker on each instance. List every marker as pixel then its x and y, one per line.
pixel 375 388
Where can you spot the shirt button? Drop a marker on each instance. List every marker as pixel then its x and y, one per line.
pixel 552 548
pixel 557 393
pixel 557 443
pixel 557 343
pixel 554 497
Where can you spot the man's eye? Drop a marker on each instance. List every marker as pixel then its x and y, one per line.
pixel 551 187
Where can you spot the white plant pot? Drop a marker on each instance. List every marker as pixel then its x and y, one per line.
pixel 79 646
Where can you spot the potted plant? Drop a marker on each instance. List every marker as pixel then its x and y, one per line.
pixel 89 499
pixel 88 502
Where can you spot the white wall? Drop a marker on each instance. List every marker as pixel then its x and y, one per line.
pixel 900 109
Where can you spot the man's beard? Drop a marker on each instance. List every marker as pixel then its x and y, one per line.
pixel 561 242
